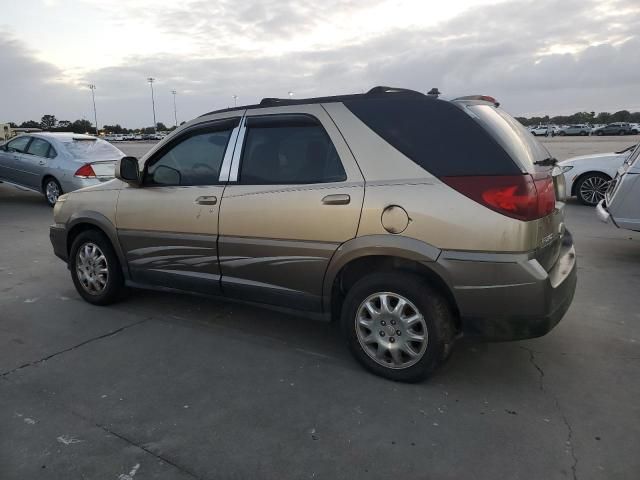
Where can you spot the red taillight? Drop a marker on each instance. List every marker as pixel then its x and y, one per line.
pixel 517 196
pixel 85 171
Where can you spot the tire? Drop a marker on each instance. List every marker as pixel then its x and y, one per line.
pixel 562 134
pixel 113 287
pixel 591 188
pixel 583 134
pixel 621 132
pixel 434 321
pixel 52 190
pixel 599 133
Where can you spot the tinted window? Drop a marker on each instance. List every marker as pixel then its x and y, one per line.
pixel 39 147
pixel 435 134
pixel 509 133
pixel 19 144
pixel 92 149
pixel 196 160
pixel 289 153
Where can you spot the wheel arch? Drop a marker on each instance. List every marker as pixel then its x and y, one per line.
pixel 377 253
pixel 46 177
pixel 84 221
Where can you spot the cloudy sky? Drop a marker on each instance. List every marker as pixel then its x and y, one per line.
pixel 535 56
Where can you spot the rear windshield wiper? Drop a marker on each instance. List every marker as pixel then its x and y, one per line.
pixel 547 162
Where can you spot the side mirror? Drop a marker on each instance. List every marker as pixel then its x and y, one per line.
pixel 127 170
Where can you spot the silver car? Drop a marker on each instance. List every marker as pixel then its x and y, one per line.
pixel 621 203
pixel 54 163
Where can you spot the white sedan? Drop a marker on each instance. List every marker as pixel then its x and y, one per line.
pixel 588 176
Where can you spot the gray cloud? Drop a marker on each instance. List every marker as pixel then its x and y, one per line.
pixel 497 50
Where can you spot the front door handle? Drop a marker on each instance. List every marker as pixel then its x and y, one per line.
pixel 206 200
pixel 337 199
pixel 41 162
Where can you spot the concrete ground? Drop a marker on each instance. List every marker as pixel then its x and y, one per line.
pixel 171 386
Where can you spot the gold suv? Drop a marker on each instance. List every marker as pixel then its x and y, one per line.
pixel 410 218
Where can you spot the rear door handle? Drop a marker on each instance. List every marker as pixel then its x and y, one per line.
pixel 41 162
pixel 337 199
pixel 207 200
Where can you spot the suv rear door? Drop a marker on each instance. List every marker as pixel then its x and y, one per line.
pixel 295 194
pixel 168 227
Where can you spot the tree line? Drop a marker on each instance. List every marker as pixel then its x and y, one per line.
pixel 50 123
pixel 583 117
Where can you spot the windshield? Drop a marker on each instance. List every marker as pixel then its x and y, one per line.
pixel 92 150
pixel 511 135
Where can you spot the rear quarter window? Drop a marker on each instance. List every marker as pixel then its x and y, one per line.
pixel 435 134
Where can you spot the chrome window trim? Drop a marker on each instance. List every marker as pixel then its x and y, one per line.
pixel 225 169
pixel 235 163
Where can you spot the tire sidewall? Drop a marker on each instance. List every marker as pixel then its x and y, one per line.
pixel 431 305
pixel 115 282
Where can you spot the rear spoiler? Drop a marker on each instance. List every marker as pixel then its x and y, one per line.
pixel 482 98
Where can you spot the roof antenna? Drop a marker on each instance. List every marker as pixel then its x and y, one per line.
pixel 434 91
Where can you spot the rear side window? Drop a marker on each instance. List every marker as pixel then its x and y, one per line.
pixel 435 134
pixel 39 147
pixel 292 149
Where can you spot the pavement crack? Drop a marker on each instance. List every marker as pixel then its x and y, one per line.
pixel 69 349
pixel 532 360
pixel 150 452
pixel 569 440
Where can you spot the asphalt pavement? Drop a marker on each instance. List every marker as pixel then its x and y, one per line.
pixel 173 386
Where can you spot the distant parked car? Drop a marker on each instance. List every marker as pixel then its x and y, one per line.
pixel 621 204
pixel 53 163
pixel 618 128
pixel 635 128
pixel 543 130
pixel 137 137
pixel 580 129
pixel 587 177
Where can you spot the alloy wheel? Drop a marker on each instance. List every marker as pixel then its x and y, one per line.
pixel 92 268
pixel 391 330
pixel 593 189
pixel 52 191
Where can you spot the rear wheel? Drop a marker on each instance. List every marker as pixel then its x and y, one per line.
pixel 583 134
pixel 95 268
pixel 599 133
pixel 52 190
pixel 397 326
pixel 591 188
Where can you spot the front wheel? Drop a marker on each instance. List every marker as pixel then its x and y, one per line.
pixel 95 268
pixel 591 188
pixel 397 326
pixel 52 190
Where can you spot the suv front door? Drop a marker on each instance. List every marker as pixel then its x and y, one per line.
pixel 295 194
pixel 168 227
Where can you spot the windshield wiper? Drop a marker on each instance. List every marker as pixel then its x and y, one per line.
pixel 547 162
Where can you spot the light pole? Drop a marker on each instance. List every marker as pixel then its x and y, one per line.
pixel 95 115
pixel 175 110
pixel 153 103
pixel 235 100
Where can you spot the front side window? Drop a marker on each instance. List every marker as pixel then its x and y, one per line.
pixel 19 144
pixel 39 147
pixel 288 151
pixel 196 160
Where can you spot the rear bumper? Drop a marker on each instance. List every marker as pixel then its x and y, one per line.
pixel 510 296
pixel 58 237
